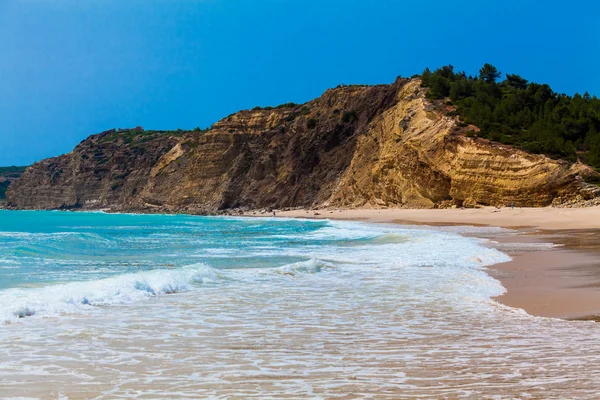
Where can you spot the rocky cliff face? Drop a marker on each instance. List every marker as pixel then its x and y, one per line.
pixel 414 155
pixel 8 175
pixel 355 146
pixel 103 171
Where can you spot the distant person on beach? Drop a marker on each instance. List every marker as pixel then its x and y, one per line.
pixel 274 213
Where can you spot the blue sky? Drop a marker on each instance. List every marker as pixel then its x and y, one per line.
pixel 70 68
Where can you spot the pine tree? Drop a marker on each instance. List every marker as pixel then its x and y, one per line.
pixel 488 73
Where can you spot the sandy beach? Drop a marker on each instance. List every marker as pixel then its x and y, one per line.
pixel 541 218
pixel 560 281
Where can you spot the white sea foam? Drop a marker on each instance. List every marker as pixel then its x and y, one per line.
pixel 370 311
pixel 311 266
pixel 396 251
pixel 78 297
pixel 523 247
pixel 81 297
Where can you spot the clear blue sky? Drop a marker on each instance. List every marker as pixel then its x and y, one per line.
pixel 70 68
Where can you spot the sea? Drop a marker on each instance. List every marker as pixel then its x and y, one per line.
pixel 96 305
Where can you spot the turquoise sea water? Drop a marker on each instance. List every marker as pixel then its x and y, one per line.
pixel 41 248
pixel 56 263
pixel 116 305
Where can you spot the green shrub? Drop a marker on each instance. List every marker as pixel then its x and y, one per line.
pixel 286 105
pixel 521 113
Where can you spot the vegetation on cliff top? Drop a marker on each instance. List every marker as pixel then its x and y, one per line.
pixel 129 135
pixel 521 113
pixel 11 172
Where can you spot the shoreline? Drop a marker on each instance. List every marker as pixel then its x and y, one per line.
pixel 561 281
pixel 429 331
pixel 545 218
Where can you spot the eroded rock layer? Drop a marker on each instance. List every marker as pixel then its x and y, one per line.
pixel 355 146
pixel 103 171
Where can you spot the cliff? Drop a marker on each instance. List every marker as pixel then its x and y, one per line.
pixel 7 176
pixel 355 146
pixel 103 171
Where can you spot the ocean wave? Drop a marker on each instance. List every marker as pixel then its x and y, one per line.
pixel 391 238
pixel 337 231
pixel 311 266
pixel 415 255
pixel 79 297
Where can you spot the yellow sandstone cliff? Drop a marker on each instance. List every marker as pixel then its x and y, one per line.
pixel 355 146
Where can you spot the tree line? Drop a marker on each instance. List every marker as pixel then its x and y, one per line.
pixel 517 112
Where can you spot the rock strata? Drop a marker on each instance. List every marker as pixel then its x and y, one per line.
pixel 355 146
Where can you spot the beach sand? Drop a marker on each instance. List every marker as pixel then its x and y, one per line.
pixel 561 281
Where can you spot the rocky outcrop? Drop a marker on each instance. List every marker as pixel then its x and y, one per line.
pixel 355 146
pixel 415 156
pixel 8 175
pixel 283 157
pixel 103 171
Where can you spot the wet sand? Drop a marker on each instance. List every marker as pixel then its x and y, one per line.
pixel 560 282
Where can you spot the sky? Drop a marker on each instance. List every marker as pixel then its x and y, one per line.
pixel 71 68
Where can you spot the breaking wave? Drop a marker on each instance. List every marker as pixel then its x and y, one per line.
pixel 79 297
